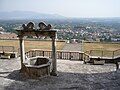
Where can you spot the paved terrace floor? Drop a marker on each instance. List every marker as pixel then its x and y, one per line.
pixel 72 75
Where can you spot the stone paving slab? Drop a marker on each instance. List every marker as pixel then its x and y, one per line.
pixel 72 75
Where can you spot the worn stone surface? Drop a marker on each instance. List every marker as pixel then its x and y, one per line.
pixel 72 75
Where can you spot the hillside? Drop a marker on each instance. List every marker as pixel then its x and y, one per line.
pixel 28 15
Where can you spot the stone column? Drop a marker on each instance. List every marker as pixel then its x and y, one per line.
pixel 54 62
pixel 22 51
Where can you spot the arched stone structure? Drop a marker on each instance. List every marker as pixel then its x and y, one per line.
pixel 44 30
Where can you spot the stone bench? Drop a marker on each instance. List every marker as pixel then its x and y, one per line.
pixel 103 60
pixel 8 55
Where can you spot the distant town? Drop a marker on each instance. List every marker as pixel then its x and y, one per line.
pixel 71 30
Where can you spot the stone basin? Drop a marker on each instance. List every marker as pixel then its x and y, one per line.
pixel 38 67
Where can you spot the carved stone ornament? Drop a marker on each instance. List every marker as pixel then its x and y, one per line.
pixel 43 26
pixel 29 26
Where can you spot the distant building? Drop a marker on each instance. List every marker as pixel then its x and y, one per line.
pixel 68 41
pixel 5 35
pixel 74 41
pixel 1 29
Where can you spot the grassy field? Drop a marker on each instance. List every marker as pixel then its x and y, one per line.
pixel 32 44
pixel 101 46
pixel 47 45
pixel 104 49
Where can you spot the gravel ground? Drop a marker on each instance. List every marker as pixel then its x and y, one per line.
pixel 72 75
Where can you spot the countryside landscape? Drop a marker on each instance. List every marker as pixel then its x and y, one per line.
pixel 68 66
pixel 46 45
pixel 59 45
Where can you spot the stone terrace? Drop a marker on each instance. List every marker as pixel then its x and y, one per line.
pixel 72 75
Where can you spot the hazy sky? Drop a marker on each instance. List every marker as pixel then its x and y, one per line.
pixel 69 8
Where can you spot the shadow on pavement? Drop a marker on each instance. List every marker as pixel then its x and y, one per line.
pixel 66 81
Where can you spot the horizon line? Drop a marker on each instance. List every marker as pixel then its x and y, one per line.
pixel 75 17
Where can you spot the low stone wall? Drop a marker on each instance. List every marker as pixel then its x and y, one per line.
pixel 35 72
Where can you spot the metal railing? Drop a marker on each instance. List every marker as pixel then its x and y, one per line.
pixel 74 55
pixel 60 54
pixel 116 53
pixel 105 53
pixel 7 49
